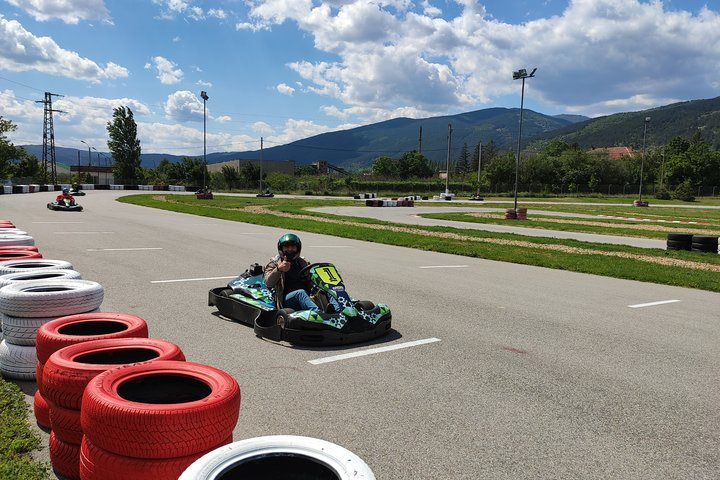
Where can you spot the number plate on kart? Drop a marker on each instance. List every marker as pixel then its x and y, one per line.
pixel 328 274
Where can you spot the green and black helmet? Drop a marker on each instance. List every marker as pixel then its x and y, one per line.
pixel 292 239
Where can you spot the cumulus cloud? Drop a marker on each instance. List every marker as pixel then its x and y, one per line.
pixel 22 51
pixel 402 54
pixel 167 71
pixel 68 12
pixel 184 106
pixel 285 89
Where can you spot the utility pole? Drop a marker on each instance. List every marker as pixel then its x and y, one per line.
pixel 479 165
pixel 49 138
pixel 447 171
pixel 261 162
pixel 420 142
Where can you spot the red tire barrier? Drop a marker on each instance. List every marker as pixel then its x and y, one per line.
pixel 99 464
pixel 18 255
pixel 30 248
pixel 68 371
pixel 38 374
pixel 64 458
pixel 41 409
pixel 65 423
pixel 84 327
pixel 161 409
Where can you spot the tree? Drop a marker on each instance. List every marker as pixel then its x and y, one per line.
pixel 413 165
pixel 124 146
pixel 8 152
pixel 463 163
pixel 231 177
pixel 384 166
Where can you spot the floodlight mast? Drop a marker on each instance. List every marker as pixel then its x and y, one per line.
pixel 520 75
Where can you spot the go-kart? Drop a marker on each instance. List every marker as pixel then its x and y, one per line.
pixel 64 206
pixel 266 194
pixel 247 299
pixel 76 192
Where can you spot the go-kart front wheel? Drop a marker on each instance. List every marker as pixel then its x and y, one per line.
pixel 272 327
pixel 282 317
pixel 364 305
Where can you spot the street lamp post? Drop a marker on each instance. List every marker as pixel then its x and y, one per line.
pixel 447 168
pixel 205 98
pixel 520 75
pixel 642 161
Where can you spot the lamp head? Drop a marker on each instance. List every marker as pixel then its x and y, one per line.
pixel 204 95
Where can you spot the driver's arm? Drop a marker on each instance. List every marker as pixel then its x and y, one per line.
pixel 271 274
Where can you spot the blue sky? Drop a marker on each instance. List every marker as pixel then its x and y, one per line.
pixel 288 69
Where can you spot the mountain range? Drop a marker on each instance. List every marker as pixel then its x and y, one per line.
pixel 356 148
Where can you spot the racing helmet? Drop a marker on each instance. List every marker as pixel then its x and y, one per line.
pixel 292 239
pixel 66 191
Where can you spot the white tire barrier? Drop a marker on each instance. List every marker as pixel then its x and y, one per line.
pixel 25 265
pixel 17 361
pixel 39 274
pixel 50 298
pixel 279 456
pixel 22 331
pixel 8 239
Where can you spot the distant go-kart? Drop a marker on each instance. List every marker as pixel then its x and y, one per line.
pixel 64 206
pixel 247 299
pixel 76 192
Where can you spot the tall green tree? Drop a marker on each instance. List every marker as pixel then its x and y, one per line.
pixel 124 146
pixel 462 166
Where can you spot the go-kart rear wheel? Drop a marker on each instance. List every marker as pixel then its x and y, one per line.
pixel 364 305
pixel 226 292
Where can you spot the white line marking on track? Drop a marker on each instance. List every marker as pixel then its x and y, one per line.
pixel 81 233
pixel 329 246
pixel 652 304
pixel 444 266
pixel 191 279
pixel 372 351
pixel 61 223
pixel 122 249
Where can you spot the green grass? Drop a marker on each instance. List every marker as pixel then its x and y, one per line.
pixel 17 439
pixel 593 258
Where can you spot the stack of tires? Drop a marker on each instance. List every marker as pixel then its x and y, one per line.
pixel 704 244
pixel 11 236
pixel 73 329
pixel 679 241
pixel 65 376
pixel 152 420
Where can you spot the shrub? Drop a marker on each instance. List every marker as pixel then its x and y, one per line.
pixel 684 192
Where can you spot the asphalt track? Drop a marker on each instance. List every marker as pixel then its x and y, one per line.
pixel 517 372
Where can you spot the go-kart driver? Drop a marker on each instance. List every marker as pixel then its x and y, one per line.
pixel 65 196
pixel 282 273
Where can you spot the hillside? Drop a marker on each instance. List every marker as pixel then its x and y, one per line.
pixel 356 148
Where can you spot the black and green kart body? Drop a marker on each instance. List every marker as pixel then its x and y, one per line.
pixel 64 206
pixel 248 300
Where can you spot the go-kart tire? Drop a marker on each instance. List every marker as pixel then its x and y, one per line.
pixel 99 464
pixel 364 305
pixel 50 298
pixel 279 456
pixel 84 327
pixel 64 458
pixel 17 361
pixel 20 330
pixel 282 316
pixel 226 292
pixel 39 274
pixel 161 409
pixel 41 410
pixel 14 266
pixel 68 371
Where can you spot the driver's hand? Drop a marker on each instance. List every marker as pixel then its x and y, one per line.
pixel 284 265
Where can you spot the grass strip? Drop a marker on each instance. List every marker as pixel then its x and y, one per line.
pixel 683 269
pixel 17 439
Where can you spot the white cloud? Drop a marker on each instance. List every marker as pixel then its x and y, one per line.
pixel 285 89
pixel 262 128
pixel 168 73
pixel 223 119
pixel 68 12
pixel 21 51
pixel 395 56
pixel 185 106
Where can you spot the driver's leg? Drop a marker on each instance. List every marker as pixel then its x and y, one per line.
pixel 300 300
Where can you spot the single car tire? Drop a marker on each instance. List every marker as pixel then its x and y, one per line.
pixel 99 464
pixel 12 266
pixel 41 410
pixel 64 458
pixel 30 248
pixel 22 330
pixel 680 237
pixel 65 424
pixel 50 298
pixel 12 239
pixel 41 274
pixel 18 255
pixel 17 361
pixel 279 456
pixel 678 245
pixel 161 409
pixel 84 327
pixel 705 239
pixel 68 371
